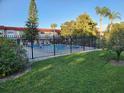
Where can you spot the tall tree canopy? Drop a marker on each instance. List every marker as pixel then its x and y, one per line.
pixel 67 28
pixel 112 15
pixel 33 11
pixel 102 12
pixel 85 25
pixel 82 25
pixel 53 26
pixel 31 31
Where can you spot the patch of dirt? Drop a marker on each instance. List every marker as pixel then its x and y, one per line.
pixel 16 75
pixel 117 63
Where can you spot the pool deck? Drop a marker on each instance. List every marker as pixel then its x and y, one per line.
pixel 44 58
pixel 49 51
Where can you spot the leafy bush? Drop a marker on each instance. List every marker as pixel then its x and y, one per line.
pixel 12 57
pixel 115 39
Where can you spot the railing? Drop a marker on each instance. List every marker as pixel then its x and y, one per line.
pixel 59 46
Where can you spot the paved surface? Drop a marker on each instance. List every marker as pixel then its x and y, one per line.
pixel 46 52
pixel 52 56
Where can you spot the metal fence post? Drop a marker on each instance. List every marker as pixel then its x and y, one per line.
pixel 84 43
pixel 99 43
pixel 54 47
pixel 32 54
pixel 70 44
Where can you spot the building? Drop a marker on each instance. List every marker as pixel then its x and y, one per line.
pixel 17 32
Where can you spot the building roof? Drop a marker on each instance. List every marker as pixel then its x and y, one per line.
pixel 23 28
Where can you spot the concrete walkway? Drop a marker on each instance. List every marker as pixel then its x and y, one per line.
pixel 44 58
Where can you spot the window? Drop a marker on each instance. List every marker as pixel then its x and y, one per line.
pixel 10 32
pixel 41 32
pixel 1 32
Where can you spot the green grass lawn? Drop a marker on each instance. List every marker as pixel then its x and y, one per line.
pixel 77 73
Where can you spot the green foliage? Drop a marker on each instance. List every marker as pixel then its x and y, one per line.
pixel 106 12
pixel 102 11
pixel 83 25
pixel 115 39
pixel 31 31
pixel 112 15
pixel 12 57
pixel 53 26
pixel 67 28
pixel 33 11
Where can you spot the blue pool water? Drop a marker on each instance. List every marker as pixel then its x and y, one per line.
pixel 48 50
pixel 57 46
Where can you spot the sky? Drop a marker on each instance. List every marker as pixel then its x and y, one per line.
pixel 15 12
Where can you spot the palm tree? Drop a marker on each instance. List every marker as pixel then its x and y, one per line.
pixel 102 12
pixel 112 15
pixel 53 26
pixel 31 31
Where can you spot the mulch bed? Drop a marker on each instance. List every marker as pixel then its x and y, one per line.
pixel 117 63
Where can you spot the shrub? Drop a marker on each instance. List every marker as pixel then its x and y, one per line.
pixel 12 57
pixel 115 39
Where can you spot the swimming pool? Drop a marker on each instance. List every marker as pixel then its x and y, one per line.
pixel 57 46
pixel 48 50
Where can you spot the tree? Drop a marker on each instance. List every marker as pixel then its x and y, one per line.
pixel 85 28
pixel 53 26
pixel 67 28
pixel 12 57
pixel 112 15
pixel 79 29
pixel 115 39
pixel 31 31
pixel 85 25
pixel 102 12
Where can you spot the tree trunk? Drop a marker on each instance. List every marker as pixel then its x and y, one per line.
pixel 110 25
pixel 118 55
pixel 100 26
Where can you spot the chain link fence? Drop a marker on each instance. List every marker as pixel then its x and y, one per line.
pixel 59 46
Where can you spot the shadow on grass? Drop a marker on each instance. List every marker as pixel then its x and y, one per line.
pixel 74 73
